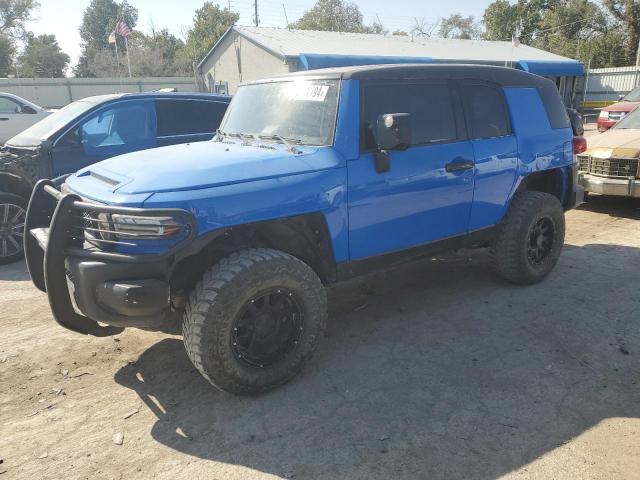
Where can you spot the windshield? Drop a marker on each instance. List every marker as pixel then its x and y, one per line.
pixel 302 112
pixel 631 120
pixel 632 96
pixel 51 124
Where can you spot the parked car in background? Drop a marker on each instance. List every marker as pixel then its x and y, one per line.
pixel 90 130
pixel 577 124
pixel 16 114
pixel 611 165
pixel 313 178
pixel 612 114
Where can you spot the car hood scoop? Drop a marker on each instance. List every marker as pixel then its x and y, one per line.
pixel 201 165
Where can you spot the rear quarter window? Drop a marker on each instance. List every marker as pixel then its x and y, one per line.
pixel 556 111
pixel 485 110
pixel 188 117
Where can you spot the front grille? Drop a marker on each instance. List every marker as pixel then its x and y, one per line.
pixel 96 229
pixel 610 167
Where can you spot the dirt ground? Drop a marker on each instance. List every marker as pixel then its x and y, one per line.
pixel 437 369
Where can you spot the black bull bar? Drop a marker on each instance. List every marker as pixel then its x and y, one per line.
pixel 48 241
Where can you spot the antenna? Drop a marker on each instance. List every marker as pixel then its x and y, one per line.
pixel 286 19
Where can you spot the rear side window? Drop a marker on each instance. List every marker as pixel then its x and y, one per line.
pixel 556 111
pixel 430 106
pixel 486 111
pixel 8 106
pixel 188 117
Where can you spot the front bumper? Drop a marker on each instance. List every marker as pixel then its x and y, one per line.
pixel 87 286
pixel 622 187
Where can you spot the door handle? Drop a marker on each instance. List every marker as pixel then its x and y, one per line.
pixel 4 119
pixel 459 164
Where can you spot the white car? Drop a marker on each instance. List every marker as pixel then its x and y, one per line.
pixel 17 114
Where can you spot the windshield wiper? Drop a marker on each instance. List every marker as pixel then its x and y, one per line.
pixel 242 136
pixel 290 146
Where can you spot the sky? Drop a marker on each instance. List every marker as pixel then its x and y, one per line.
pixel 63 17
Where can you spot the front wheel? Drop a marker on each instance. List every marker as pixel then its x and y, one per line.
pixel 13 210
pixel 530 239
pixel 253 320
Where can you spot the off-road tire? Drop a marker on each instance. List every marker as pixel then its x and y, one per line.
pixel 218 298
pixel 11 199
pixel 509 249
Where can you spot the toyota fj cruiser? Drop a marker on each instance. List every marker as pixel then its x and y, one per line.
pixel 313 178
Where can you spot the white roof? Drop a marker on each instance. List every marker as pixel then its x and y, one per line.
pixel 290 43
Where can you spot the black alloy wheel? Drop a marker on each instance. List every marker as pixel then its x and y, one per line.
pixel 541 238
pixel 267 328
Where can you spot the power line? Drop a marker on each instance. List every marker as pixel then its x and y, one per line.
pixel 566 24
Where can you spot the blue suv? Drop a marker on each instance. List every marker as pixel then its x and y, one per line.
pixel 313 178
pixel 88 131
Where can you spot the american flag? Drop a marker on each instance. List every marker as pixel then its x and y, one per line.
pixel 122 29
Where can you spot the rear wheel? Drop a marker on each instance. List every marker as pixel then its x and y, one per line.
pixel 13 209
pixel 253 320
pixel 530 239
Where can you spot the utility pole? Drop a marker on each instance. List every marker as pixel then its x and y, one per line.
pixel 255 17
pixel 635 82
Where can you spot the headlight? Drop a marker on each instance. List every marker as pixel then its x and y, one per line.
pixel 604 115
pixel 127 226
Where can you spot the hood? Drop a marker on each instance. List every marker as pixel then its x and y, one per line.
pixel 621 107
pixel 200 165
pixel 616 142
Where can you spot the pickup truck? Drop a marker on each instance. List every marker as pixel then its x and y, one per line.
pixel 313 178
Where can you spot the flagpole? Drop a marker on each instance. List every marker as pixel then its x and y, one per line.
pixel 117 58
pixel 126 44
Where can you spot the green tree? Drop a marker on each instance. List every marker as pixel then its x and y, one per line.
pixel 7 51
pixel 98 21
pixel 14 14
pixel 627 12
pixel 336 16
pixel 42 57
pixel 502 19
pixel 377 28
pixel 210 22
pixel 160 54
pixel 576 29
pixel 604 50
pixel 457 26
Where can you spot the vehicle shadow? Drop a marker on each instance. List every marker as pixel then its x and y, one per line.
pixel 622 207
pixel 437 369
pixel 13 272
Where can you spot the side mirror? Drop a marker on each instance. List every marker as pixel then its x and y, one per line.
pixel 394 131
pixel 27 109
pixel 621 96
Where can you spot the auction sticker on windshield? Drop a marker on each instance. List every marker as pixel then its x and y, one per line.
pixel 308 92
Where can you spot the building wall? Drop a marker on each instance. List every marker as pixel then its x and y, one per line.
pixel 58 92
pixel 238 60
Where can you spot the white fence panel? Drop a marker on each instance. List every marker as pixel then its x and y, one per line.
pixel 58 92
pixel 605 85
